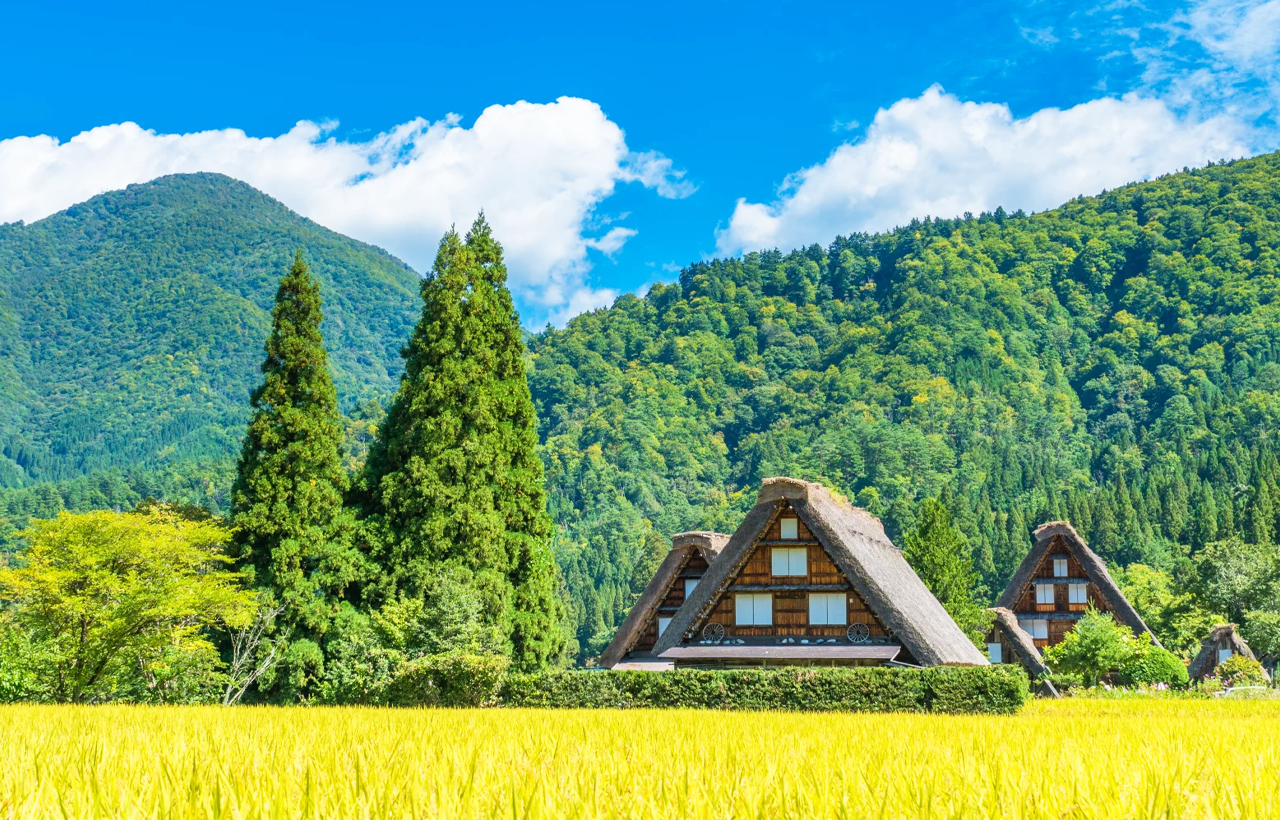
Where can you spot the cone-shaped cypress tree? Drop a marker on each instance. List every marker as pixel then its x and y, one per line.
pixel 287 498
pixel 454 478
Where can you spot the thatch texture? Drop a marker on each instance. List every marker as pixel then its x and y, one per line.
pixel 1094 567
pixel 1006 627
pixel 857 543
pixel 683 546
pixel 1223 636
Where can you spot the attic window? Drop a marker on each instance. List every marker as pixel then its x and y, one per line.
pixel 1044 593
pixel 689 585
pixel 792 561
pixel 790 529
pixel 663 623
pixel 1059 566
pixel 1224 655
pixel 753 609
pixel 827 609
pixel 1037 628
pixel 994 653
pixel 1079 593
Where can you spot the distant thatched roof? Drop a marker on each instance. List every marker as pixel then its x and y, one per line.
pixel 1006 624
pixel 683 546
pixel 1094 567
pixel 1223 636
pixel 856 542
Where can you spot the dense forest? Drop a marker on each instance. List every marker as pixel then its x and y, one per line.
pixel 1113 362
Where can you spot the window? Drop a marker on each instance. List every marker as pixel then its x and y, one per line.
pixel 994 653
pixel 790 528
pixel 790 561
pixel 1059 566
pixel 1224 655
pixel 1078 593
pixel 1044 593
pixel 663 623
pixel 1037 628
pixel 827 609
pixel 753 609
pixel 689 585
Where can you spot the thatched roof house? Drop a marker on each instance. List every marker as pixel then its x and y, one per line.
pixel 1007 642
pixel 808 578
pixel 1057 582
pixel 1222 642
pixel 680 572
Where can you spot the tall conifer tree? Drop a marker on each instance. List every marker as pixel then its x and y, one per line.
pixel 454 479
pixel 288 493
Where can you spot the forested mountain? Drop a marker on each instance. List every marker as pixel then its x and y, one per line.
pixel 132 325
pixel 1113 362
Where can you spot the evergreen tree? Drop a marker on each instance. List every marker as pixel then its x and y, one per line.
pixel 287 498
pixel 454 480
pixel 941 557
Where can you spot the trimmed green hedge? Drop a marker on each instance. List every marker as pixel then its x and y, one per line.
pixel 1000 689
pixel 450 679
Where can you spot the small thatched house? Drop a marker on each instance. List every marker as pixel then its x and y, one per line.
pixel 1058 580
pixel 808 579
pixel 1007 642
pixel 690 556
pixel 1223 642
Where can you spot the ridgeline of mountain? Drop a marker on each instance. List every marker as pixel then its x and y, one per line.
pixel 132 325
pixel 1115 362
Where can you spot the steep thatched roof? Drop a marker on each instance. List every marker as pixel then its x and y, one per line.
pixel 1006 625
pixel 1223 636
pixel 856 542
pixel 1094 567
pixel 683 546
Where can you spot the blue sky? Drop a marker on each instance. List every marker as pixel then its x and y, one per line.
pixel 693 129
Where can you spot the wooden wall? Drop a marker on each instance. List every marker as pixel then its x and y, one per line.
pixel 1026 606
pixel 695 566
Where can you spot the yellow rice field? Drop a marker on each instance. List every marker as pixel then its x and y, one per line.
pixel 1073 759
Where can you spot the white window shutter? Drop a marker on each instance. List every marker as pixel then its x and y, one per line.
pixel 994 653
pixel 1060 567
pixel 837 612
pixel 780 560
pixel 663 623
pixel 743 609
pixel 790 528
pixel 798 562
pixel 763 609
pixel 817 609
pixel 690 584
pixel 1042 629
pixel 1224 655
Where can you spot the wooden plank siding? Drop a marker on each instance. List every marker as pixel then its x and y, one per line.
pixel 1061 614
pixel 695 566
pixel 790 592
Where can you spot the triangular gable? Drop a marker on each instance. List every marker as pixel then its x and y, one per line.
pixel 639 630
pixel 1059 537
pixel 1006 630
pixel 851 552
pixel 1223 636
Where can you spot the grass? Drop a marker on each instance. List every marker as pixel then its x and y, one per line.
pixel 1065 759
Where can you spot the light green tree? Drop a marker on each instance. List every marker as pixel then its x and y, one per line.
pixel 940 555
pixel 98 595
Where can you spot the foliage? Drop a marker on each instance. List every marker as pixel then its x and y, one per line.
pixel 1238 577
pixel 1064 681
pixel 940 556
pixel 993 689
pixel 1152 665
pixel 1176 616
pixel 453 479
pixel 1096 647
pixel 1263 633
pixel 98 594
pixel 291 533
pixel 133 323
pixel 448 679
pixel 1239 670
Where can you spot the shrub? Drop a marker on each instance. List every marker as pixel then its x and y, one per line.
pixel 1239 670
pixel 995 689
pixel 448 679
pixel 1062 681
pixel 1096 647
pixel 1154 665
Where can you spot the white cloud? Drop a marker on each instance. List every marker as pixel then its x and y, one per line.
pixel 537 170
pixel 935 155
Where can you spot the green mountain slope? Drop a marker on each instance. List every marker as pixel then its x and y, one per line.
pixel 131 326
pixel 1115 361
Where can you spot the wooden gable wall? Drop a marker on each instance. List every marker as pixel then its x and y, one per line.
pixel 791 593
pixel 1061 614
pixel 695 566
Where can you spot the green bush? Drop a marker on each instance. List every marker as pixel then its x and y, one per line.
pixel 1239 670
pixel 1062 681
pixel 992 689
pixel 1154 665
pixel 448 679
